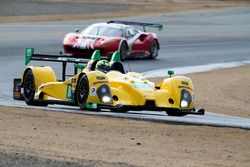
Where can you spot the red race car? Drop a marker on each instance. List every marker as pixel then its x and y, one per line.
pixel 112 36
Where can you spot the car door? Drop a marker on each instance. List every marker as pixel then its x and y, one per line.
pixel 136 46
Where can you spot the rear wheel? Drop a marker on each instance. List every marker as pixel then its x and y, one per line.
pixel 154 50
pixel 175 113
pixel 29 88
pixel 123 51
pixel 82 92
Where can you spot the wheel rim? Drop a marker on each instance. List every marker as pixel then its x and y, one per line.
pixel 82 92
pixel 29 85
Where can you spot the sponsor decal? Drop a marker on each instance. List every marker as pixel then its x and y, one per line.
pixel 100 77
pixel 100 82
pixel 86 43
pixel 69 92
pixel 92 91
pixel 184 83
pixel 185 87
pixel 91 106
pixel 94 105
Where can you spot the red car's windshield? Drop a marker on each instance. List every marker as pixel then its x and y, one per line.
pixel 103 31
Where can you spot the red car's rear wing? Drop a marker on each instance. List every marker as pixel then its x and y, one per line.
pixel 159 26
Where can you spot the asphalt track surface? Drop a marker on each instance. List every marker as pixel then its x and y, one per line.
pixel 188 39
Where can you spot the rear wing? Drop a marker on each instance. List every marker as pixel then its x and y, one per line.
pixel 79 63
pixel 144 25
pixel 30 55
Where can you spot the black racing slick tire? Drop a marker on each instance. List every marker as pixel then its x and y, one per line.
pixel 175 113
pixel 29 90
pixel 154 50
pixel 82 92
pixel 123 51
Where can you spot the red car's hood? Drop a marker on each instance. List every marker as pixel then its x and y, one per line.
pixel 88 42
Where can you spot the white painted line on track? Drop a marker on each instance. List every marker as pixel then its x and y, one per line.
pixel 194 69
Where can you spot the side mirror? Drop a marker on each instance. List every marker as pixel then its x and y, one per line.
pixel 77 30
pixel 170 73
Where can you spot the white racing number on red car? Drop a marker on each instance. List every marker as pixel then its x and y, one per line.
pixel 86 43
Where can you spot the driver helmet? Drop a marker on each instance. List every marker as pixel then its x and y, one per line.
pixel 103 66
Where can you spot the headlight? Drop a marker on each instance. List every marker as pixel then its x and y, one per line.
pixel 104 94
pixel 186 99
pixel 106 99
pixel 184 104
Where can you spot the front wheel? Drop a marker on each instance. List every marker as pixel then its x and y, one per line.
pixel 82 92
pixel 154 50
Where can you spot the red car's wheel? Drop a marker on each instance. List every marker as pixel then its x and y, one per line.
pixel 154 50
pixel 123 51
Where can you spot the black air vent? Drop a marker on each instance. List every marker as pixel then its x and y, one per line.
pixel 150 103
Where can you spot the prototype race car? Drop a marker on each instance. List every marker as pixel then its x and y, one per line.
pixel 112 36
pixel 112 89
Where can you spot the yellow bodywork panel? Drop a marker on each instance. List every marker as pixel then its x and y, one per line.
pixel 56 90
pixel 64 91
pixel 59 90
pixel 133 89
pixel 175 85
pixel 42 75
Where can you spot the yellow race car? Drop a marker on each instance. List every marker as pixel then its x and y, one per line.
pixel 102 85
